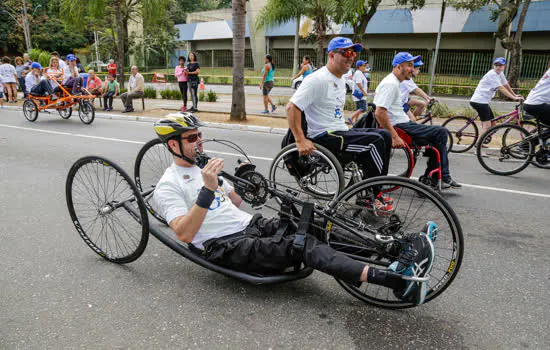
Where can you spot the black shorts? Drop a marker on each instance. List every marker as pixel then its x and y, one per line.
pixel 541 112
pixel 268 85
pixel 484 111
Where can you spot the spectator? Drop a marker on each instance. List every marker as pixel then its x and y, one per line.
pixel 55 72
pixel 79 66
pixel 111 90
pixel 181 73
pixel 194 70
pixel 1 94
pixel 19 69
pixel 111 68
pixel 62 63
pixel 307 68
pixel 94 84
pixel 9 78
pixel 72 77
pixel 135 90
pixel 267 83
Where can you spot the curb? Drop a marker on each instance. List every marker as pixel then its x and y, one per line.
pixel 251 128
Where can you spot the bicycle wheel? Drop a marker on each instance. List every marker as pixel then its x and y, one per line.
pixel 86 112
pixel 106 209
pixel 65 113
pixel 508 151
pixel 401 162
pixel 30 110
pixel 450 141
pixel 317 177
pixel 414 205
pixel 151 162
pixel 531 126
pixel 464 133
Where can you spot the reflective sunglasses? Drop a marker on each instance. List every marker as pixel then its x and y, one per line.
pixel 193 138
pixel 346 53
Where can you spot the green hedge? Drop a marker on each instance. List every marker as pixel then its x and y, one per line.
pixel 150 92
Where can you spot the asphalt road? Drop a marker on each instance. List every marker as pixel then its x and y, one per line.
pixel 55 293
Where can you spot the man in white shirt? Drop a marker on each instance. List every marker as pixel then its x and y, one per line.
pixel 485 91
pixel 359 94
pixel 37 84
pixel 538 101
pixel 321 98
pixel 408 86
pixel 205 215
pixel 390 113
pixel 136 86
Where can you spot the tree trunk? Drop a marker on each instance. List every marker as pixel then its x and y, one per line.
pixel 320 32
pixel 296 47
pixel 120 29
pixel 516 52
pixel 238 111
pixel 360 26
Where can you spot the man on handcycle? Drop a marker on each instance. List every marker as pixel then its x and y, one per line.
pixel 321 97
pixel 390 113
pixel 202 209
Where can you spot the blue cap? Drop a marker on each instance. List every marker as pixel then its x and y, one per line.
pixel 71 57
pixel 360 63
pixel 343 43
pixel 404 57
pixel 36 65
pixel 499 60
pixel 418 62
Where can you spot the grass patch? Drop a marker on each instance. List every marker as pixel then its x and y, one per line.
pixel 282 101
pixel 150 92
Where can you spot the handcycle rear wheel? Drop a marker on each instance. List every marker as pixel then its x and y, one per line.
pixel 98 193
pixel 65 113
pixel 414 204
pixel 464 135
pixel 151 162
pixel 30 110
pixel 86 112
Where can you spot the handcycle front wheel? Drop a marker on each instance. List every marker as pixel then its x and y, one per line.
pixel 86 112
pixel 107 209
pixel 414 204
pixel 151 162
pixel 30 110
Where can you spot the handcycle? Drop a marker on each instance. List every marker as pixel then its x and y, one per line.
pixel 510 148
pixel 110 214
pixel 466 133
pixel 63 105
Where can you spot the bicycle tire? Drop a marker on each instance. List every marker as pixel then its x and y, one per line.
pixel 117 186
pixel 86 112
pixel 483 158
pixel 449 241
pixel 149 152
pixel 30 110
pixel 323 154
pixel 450 141
pixel 65 113
pixel 469 136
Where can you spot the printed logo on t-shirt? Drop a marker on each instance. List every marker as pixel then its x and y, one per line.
pixel 338 110
pixel 187 178
pixel 219 198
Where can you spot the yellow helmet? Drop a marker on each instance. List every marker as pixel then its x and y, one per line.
pixel 176 124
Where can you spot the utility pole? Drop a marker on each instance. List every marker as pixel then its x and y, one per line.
pixel 432 75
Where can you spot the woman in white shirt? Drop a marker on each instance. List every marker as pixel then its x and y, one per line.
pixel 9 78
pixel 485 91
pixel 538 101
pixel 55 72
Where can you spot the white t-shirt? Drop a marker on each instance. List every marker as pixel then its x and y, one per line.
pixel 177 192
pixel 541 92
pixel 31 81
pixel 359 78
pixel 7 72
pixel 322 97
pixel 62 64
pixel 406 87
pixel 67 72
pixel 488 86
pixel 388 95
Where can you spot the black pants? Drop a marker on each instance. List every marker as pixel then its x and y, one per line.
pixel 541 112
pixel 108 97
pixel 42 87
pixel 370 147
pixel 193 88
pixel 183 89
pixel 257 250
pixel 433 135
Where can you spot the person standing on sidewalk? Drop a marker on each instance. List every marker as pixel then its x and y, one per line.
pixel 20 68
pixel 111 68
pixel 9 77
pixel 267 83
pixel 182 76
pixel 136 85
pixel 194 69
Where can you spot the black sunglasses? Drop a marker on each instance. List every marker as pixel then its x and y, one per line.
pixel 193 137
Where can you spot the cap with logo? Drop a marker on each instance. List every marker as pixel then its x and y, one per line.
pixel 343 43
pixel 500 60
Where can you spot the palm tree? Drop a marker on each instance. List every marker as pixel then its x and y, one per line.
pixel 238 110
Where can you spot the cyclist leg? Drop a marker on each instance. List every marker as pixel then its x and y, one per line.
pixel 541 112
pixel 420 105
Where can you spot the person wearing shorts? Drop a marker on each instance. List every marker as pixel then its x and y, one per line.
pixel 538 101
pixel 2 93
pixel 486 89
pixel 408 86
pixel 9 77
pixel 267 83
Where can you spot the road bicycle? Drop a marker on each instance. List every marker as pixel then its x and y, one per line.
pixel 465 131
pixel 110 214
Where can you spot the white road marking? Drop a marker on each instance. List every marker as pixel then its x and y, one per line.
pixel 488 188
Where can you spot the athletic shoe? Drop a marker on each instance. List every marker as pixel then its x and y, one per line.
pixel 415 261
pixel 184 109
pixel 380 208
pixel 273 108
pixel 265 111
pixel 431 230
pixel 450 183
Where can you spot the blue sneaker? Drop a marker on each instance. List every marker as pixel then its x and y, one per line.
pixel 273 108
pixel 414 264
pixel 265 111
pixel 431 230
